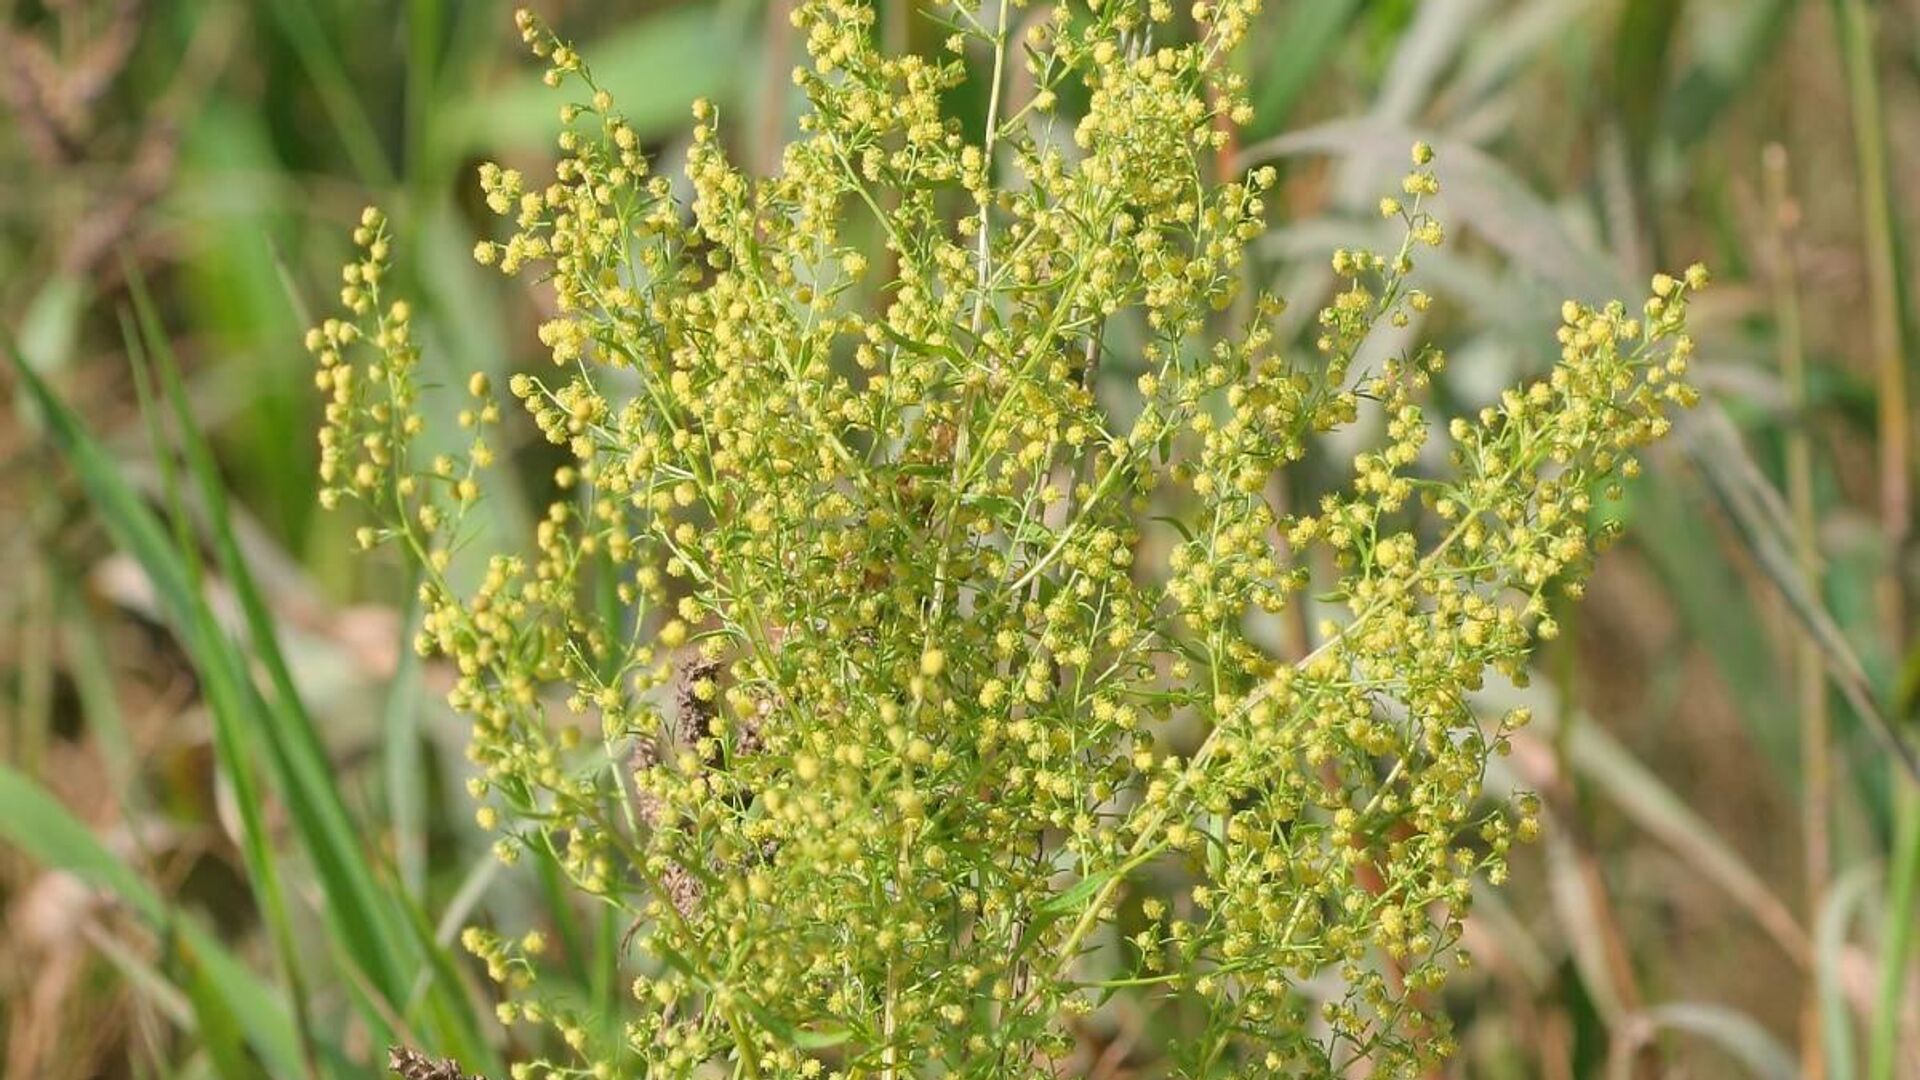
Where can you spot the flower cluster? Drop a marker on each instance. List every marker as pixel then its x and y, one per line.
pixel 844 667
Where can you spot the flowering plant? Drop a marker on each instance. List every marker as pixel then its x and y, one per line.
pixel 846 661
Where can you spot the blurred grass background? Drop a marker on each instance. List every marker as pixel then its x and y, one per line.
pixel 232 836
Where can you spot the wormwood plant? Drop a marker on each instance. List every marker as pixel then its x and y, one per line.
pixel 841 669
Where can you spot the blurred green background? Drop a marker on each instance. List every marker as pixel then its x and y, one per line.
pixel 233 840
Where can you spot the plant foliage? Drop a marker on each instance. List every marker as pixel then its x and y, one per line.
pixel 850 663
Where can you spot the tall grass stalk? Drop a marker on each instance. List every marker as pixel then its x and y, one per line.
pixel 1816 786
pixel 1854 27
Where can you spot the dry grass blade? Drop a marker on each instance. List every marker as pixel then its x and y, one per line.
pixel 1764 524
pixel 1654 807
pixel 41 827
pixel 1480 193
pixel 1738 1034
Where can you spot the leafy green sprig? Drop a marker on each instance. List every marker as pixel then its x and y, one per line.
pixel 872 749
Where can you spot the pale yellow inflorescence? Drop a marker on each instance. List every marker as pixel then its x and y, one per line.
pixel 835 667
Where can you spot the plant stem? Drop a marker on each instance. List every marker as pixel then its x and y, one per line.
pixel 1854 29
pixel 1903 888
pixel 986 152
pixel 1853 25
pixel 1816 783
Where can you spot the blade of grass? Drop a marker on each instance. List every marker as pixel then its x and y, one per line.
pixel 224 684
pixel 1737 1033
pixel 1759 513
pixel 441 974
pixel 37 824
pixel 1830 943
pixel 1641 46
pixel 1728 63
pixel 1816 763
pixel 1853 25
pixel 554 892
pixel 1897 943
pixel 1306 38
pixel 137 531
pixel 327 73
pixel 406 789
pixel 142 977
pixel 425 24
pixel 372 929
pixel 218 1032
pixel 606 988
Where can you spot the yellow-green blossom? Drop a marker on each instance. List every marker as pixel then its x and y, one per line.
pixel 872 751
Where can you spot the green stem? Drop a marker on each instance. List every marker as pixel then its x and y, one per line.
pixel 1816 786
pixel 1854 28
pixel 1903 889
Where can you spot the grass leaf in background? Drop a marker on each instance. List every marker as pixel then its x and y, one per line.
pixel 1738 1034
pixel 653 66
pixel 363 918
pixel 373 930
pixel 219 1031
pixel 1903 911
pixel 1480 194
pixel 1728 62
pixel 37 824
pixel 1844 900
pixel 1645 37
pixel 1305 37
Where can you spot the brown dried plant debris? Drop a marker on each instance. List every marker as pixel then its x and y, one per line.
pixel 414 1065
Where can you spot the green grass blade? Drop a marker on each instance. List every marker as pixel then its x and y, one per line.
pixel 218 1031
pixel 225 685
pixel 1829 945
pixel 303 773
pixel 1719 80
pixel 232 699
pixel 1902 914
pixel 38 825
pixel 1761 517
pixel 376 929
pixel 1740 1035
pixel 405 779
pixel 327 72
pixel 1307 37
pixel 1642 43
pixel 126 516
pixel 455 1004
pixel 653 67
